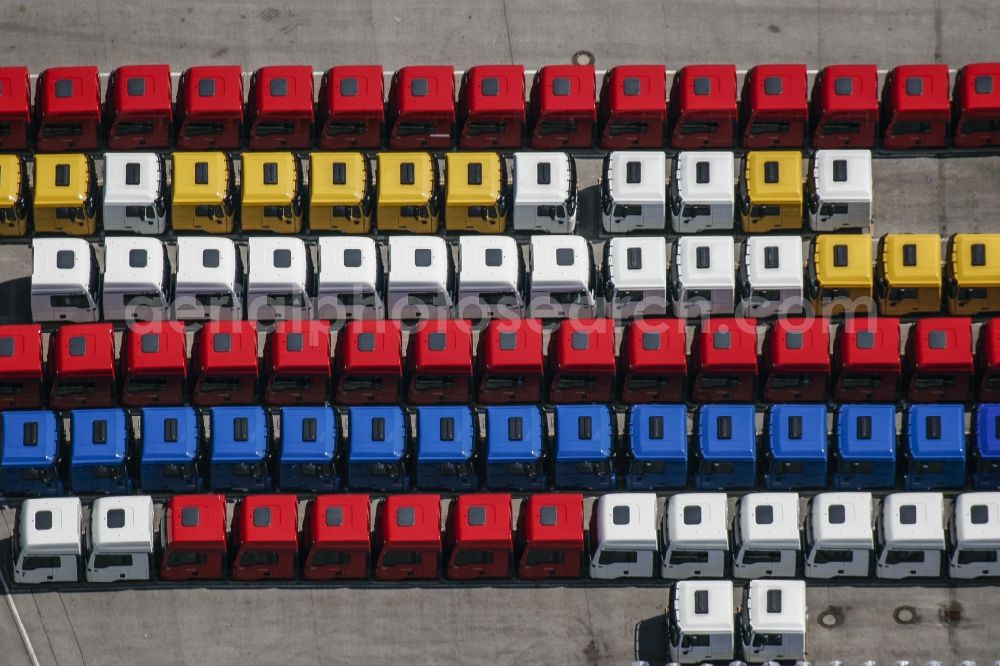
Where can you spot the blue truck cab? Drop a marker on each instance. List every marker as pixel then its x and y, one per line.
pixel 658 447
pixel 169 459
pixel 985 456
pixel 935 447
pixel 727 447
pixel 865 454
pixel 376 449
pixel 99 452
pixel 797 447
pixel 307 449
pixel 239 453
pixel 30 461
pixel 583 448
pixel 515 449
pixel 445 449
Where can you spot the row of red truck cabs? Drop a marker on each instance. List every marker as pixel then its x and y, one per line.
pixel 407 543
pixel 583 364
pixel 918 109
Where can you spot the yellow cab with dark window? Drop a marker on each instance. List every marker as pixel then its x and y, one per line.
pixel 272 193
pixel 65 191
pixel 974 274
pixel 841 274
pixel 909 274
pixel 476 197
pixel 409 192
pixel 771 191
pixel 13 196
pixel 204 192
pixel 341 196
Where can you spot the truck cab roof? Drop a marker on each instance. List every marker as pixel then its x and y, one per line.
pixel 770 520
pixel 513 433
pixel 142 89
pixel 482 520
pixel 169 434
pixel 268 521
pixel 205 264
pixel 347 182
pixel 239 434
pixel 156 347
pixel 98 436
pixel 705 177
pixel 308 434
pixel 21 351
pixel 50 525
pixel 626 520
pixel 912 521
pixel 658 432
pixel 637 177
pixel 706 262
pixel 912 259
pixel 843 260
pixel 30 438
pixel 299 347
pixel 62 180
pixel 227 347
pixel 797 432
pixel 122 524
pixel 842 520
pixel 727 432
pixel 372 346
pixel 418 263
pixel 60 264
pixel 774 262
pixel 134 264
pixel 542 178
pixel 966 269
pixel 776 606
pixel 340 519
pixel 418 186
pixel 843 175
pixel 713 616
pixel 488 263
pixel 800 344
pixel 376 434
pixel 277 265
pixel 870 342
pixel 82 350
pixel 936 432
pixel 697 520
pixel 132 179
pixel 637 263
pixel 942 344
pixel 214 90
pixel 282 90
pixel 555 519
pixel 462 189
pixel 269 178
pixel 866 432
pixel 410 520
pixel 84 92
pixel 196 521
pixel 560 262
pixel 200 177
pixel 348 264
pixel 976 520
pixel 583 432
pixel 445 434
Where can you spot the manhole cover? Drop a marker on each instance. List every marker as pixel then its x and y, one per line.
pixel 583 58
pixel 950 614
pixel 905 615
pixel 830 618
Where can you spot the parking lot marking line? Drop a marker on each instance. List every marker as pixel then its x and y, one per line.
pixel 17 620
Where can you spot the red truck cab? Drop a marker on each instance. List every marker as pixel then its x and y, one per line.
pixel 550 536
pixel 297 363
pixel 351 107
pixel 511 365
pixel 915 107
pixel 336 538
pixel 81 364
pixel 225 359
pixel 845 107
pixel 988 361
pixel 68 109
pixel 139 107
pixel 491 107
pixel 281 108
pixel 797 360
pixel 724 361
pixel 976 106
pixel 866 360
pixel 939 360
pixel 154 364
pixel 422 107
pixel 582 361
pixel 775 107
pixel 703 111
pixel 266 537
pixel 15 109
pixel 194 538
pixel 210 108
pixel 369 362
pixel 479 537
pixel 21 373
pixel 439 362
pixel 633 107
pixel 563 107
pixel 408 537
pixel 653 364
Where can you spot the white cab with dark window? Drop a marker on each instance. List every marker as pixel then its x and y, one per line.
pixel 974 536
pixel 910 530
pixel 839 535
pixel 635 277
pixel 623 536
pixel 634 192
pixel 120 539
pixel 840 190
pixel 420 276
pixel 47 541
pixel 561 279
pixel 279 279
pixel 489 278
pixel 700 622
pixel 64 281
pixel 545 195
pixel 209 279
pixel 136 279
pixel 702 194
pixel 773 621
pixel 135 191
pixel 772 281
pixel 766 540
pixel 695 536
pixel 702 276
pixel 350 279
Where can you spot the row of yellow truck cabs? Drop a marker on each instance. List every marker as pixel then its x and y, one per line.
pixel 405 194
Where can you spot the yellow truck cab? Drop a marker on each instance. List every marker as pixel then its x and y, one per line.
pixel 476 196
pixel 204 192
pixel 909 274
pixel 409 194
pixel 841 274
pixel 771 191
pixel 13 196
pixel 974 274
pixel 272 193
pixel 65 195
pixel 341 196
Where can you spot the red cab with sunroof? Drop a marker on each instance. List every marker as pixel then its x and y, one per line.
pixel 408 537
pixel 550 536
pixel 297 365
pixel 210 108
pixel 775 107
pixel 225 369
pixel 866 360
pixel 68 109
pixel 422 107
pixel 81 363
pixel 194 538
pixel 939 360
pixel 582 361
pixel 336 538
pixel 369 363
pixel 653 364
pixel 845 111
pixel 976 106
pixel 915 107
pixel 479 537
pixel 633 107
pixel 351 107
pixel 988 361
pixel 21 373
pixel 15 108
pixel 491 108
pixel 139 107
pixel 510 361
pixel 281 108
pixel 154 364
pixel 439 362
pixel 265 537
pixel 724 361
pixel 563 107
pixel 703 111
pixel 797 361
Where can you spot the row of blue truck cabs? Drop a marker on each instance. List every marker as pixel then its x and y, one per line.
pixel 520 448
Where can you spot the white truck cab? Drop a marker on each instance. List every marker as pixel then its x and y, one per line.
pixel 279 279
pixel 975 535
pixel 635 277
pixel 64 281
pixel 839 535
pixel 700 623
pixel 771 277
pixel 633 191
pixel 910 531
pixel 702 192
pixel 135 190
pixel 420 277
pixel 623 536
pixel 544 192
pixel 47 542
pixel 703 276
pixel 766 542
pixel 209 280
pixel 120 539
pixel 350 279
pixel 695 536
pixel 561 278
pixel 136 279
pixel 840 190
pixel 489 278
pixel 773 621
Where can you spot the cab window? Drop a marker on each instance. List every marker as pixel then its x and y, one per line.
pixel 618 557
pixel 40 562
pixel 187 558
pixel 105 561
pixel 70 301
